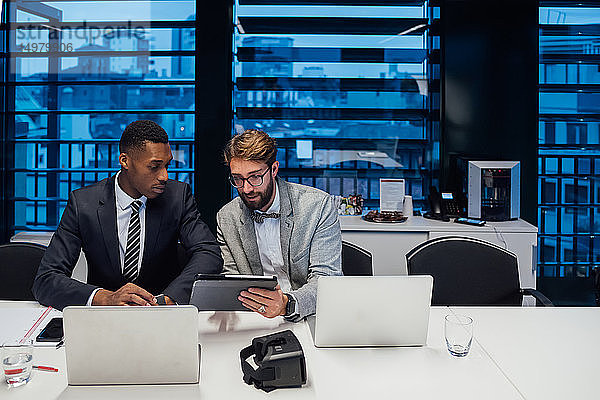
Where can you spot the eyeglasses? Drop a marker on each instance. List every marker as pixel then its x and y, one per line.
pixel 253 180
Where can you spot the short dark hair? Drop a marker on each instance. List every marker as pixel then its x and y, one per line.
pixel 251 145
pixel 137 133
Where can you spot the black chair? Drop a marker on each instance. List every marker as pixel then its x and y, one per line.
pixel 19 263
pixel 356 261
pixel 470 272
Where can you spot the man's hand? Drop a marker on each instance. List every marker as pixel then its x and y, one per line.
pixel 273 301
pixel 128 295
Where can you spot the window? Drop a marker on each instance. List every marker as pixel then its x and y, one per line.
pixel 4 216
pixel 569 138
pixel 350 92
pixel 78 73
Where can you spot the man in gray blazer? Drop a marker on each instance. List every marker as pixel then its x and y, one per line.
pixel 276 228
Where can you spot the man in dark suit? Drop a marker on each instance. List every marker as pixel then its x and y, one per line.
pixel 128 226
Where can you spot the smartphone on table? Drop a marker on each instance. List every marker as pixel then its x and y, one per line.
pixel 53 332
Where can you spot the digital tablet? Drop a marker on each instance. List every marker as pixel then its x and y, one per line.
pixel 220 292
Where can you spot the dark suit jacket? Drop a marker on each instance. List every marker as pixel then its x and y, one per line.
pixel 90 222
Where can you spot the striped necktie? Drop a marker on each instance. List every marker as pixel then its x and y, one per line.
pixel 132 252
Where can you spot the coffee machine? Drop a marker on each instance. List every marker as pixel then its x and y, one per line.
pixel 494 190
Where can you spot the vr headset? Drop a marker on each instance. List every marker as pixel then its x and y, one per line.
pixel 280 362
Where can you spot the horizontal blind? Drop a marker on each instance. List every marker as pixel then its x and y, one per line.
pixel 349 90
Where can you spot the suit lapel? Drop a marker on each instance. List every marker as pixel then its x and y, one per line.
pixel 249 244
pixel 107 219
pixel 286 223
pixel 153 219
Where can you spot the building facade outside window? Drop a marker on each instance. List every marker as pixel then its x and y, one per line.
pixel 351 93
pixel 569 141
pixel 76 74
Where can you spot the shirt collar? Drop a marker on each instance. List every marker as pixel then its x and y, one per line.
pixel 123 199
pixel 276 204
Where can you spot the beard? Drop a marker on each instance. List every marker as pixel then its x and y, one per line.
pixel 262 198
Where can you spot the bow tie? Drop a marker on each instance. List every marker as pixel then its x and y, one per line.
pixel 260 217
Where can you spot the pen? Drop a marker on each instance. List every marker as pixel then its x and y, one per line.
pixel 44 368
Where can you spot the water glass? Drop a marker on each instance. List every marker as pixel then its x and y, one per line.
pixel 17 361
pixel 458 330
pixel 407 209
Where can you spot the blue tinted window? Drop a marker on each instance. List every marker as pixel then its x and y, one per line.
pixel 351 89
pixel 569 104
pixel 80 72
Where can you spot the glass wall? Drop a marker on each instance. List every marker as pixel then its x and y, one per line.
pixel 350 92
pixel 4 214
pixel 569 139
pixel 78 73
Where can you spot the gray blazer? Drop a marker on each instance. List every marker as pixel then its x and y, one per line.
pixel 311 240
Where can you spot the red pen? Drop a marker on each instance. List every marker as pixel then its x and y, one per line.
pixel 43 368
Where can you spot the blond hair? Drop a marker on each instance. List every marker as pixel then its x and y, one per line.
pixel 251 145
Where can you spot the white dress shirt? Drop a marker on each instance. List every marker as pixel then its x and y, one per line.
pixel 268 239
pixel 124 210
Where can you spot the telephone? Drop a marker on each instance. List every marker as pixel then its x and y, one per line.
pixel 443 205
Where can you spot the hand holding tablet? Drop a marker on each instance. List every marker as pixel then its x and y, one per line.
pixel 220 292
pixel 269 303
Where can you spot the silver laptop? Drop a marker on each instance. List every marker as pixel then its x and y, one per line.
pixel 355 311
pixel 131 345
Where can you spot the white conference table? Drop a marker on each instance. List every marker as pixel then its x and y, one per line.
pixel 546 352
pixel 412 373
pixel 518 353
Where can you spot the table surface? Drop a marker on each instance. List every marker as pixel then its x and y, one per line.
pixel 421 224
pixel 546 352
pixel 518 353
pixel 355 373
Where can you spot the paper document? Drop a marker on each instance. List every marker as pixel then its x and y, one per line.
pixel 391 194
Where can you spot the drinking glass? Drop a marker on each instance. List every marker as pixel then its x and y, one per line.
pixel 458 330
pixel 17 360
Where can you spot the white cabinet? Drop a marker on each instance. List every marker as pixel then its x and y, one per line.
pixel 389 242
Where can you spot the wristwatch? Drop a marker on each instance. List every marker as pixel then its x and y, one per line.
pixel 290 307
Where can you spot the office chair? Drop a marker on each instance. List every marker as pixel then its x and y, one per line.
pixel 19 263
pixel 468 271
pixel 356 261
